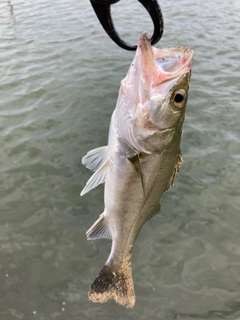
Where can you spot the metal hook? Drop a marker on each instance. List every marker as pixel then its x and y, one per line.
pixel 103 12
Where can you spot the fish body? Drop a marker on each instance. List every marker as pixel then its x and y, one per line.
pixel 141 160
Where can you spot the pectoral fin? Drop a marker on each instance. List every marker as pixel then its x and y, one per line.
pixel 176 169
pixel 135 161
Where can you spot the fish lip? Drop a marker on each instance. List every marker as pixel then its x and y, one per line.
pixel 162 64
pixel 145 40
pixel 184 62
pixel 180 62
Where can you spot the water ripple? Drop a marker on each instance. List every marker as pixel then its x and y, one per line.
pixel 59 84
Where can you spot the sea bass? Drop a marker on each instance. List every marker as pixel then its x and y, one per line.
pixel 141 160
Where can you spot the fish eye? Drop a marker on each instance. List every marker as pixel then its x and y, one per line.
pixel 179 98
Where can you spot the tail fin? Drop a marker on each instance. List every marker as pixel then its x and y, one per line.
pixel 114 284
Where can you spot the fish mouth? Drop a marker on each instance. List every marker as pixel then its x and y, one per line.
pixel 162 65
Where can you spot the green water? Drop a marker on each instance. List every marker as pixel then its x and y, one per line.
pixel 59 82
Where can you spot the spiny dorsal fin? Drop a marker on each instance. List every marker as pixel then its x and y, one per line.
pixel 135 161
pixel 97 178
pixel 176 169
pixel 155 210
pixel 95 158
pixel 99 230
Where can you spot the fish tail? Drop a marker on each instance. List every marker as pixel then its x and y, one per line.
pixel 114 283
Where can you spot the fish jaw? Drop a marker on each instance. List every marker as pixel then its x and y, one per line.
pixel 151 77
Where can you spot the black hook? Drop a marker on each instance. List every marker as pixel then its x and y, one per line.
pixel 103 12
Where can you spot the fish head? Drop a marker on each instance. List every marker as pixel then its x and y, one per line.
pixel 153 95
pixel 168 93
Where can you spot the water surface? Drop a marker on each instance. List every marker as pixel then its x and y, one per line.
pixel 59 82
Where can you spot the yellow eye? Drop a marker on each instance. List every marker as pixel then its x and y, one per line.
pixel 179 98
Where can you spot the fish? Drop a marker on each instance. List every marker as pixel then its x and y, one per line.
pixel 141 160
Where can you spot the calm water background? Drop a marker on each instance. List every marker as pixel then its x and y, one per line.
pixel 59 82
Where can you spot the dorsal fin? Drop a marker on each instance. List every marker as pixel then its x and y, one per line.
pixel 95 158
pixel 99 230
pixel 97 178
pixel 155 210
pixel 135 161
pixel 176 169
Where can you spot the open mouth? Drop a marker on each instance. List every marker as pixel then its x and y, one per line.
pixel 160 65
pixel 173 62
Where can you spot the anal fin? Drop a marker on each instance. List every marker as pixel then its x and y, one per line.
pixel 99 230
